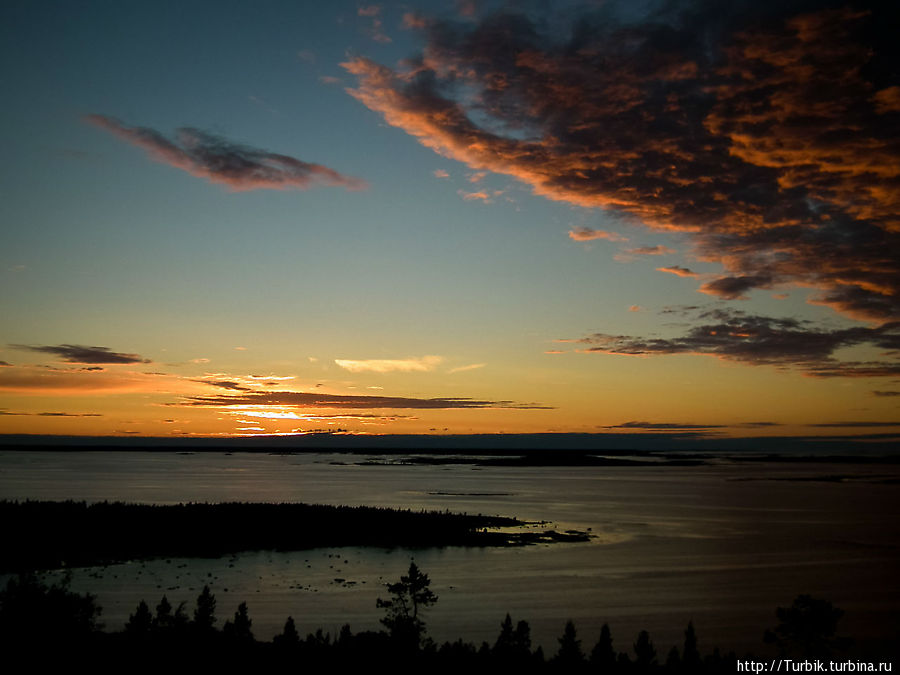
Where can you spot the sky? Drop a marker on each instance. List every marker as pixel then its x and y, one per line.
pixel 231 218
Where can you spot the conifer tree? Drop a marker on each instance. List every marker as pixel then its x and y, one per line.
pixel 569 654
pixel 410 596
pixel 140 623
pixel 205 613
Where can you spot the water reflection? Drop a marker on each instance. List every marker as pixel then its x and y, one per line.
pixel 673 543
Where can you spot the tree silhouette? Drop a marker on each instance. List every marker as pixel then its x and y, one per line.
pixel 32 611
pixel 163 619
pixel 504 643
pixel 603 656
pixel 807 628
pixel 140 623
pixel 289 635
pixel 569 654
pixel 513 645
pixel 644 651
pixel 673 660
pixel 691 655
pixel 522 639
pixel 411 595
pixel 239 629
pixel 205 613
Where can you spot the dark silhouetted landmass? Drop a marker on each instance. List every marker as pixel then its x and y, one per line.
pixel 665 445
pixel 48 535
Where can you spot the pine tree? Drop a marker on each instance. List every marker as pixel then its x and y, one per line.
pixel 504 643
pixel 522 639
pixel 289 635
pixel 164 619
pixel 691 655
pixel 205 613
pixel 140 623
pixel 644 651
pixel 569 654
pixel 411 595
pixel 239 629
pixel 603 656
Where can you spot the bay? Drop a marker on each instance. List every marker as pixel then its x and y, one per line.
pixel 721 545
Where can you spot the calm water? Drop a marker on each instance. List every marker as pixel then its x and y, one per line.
pixel 721 545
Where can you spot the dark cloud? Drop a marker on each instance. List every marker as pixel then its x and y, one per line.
pixel 685 426
pixel 663 426
pixel 315 400
pixel 855 424
pixel 52 414
pixel 854 369
pixel 221 161
pixel 225 384
pixel 765 130
pixel 4 364
pixel 885 394
pixel 733 288
pixel 65 414
pixel 760 340
pixel 86 355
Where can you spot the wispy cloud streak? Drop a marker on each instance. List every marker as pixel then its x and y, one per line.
pixel 221 161
pixel 678 271
pixel 86 355
pixel 315 400
pixel 421 364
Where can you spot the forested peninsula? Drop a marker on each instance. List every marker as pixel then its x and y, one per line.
pixel 40 535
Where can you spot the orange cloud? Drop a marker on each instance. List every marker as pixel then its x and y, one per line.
pixel 587 234
pixel 773 148
pixel 474 196
pixel 678 271
pixel 650 250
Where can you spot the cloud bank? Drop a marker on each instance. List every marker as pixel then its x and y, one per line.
pixel 221 161
pixel 765 131
pixel 86 355
pixel 759 340
pixel 316 400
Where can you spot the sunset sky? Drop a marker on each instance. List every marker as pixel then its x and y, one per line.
pixel 225 218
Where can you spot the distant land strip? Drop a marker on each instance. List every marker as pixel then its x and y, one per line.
pixel 41 535
pixel 653 448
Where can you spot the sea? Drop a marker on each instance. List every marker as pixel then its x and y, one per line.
pixel 722 544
